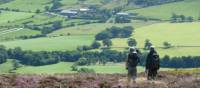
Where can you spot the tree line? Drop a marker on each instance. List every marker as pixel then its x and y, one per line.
pixel 39 58
pixel 181 18
pixel 180 62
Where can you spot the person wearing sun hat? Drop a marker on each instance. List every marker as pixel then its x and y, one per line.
pixel 131 64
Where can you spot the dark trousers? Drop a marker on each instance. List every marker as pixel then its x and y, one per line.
pixel 152 73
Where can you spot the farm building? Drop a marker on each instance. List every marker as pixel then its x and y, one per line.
pixel 69 13
pixel 122 17
pixel 122 14
pixel 75 12
pixel 84 10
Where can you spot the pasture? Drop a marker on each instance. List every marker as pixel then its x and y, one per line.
pixel 109 4
pixel 13 35
pixel 185 34
pixel 164 12
pixel 93 29
pixel 6 67
pixel 62 43
pixel 177 34
pixel 7 16
pixel 65 67
pixel 27 5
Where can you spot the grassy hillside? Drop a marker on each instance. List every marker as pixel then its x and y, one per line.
pixel 109 4
pixel 51 43
pixel 92 29
pixel 177 34
pixel 185 34
pixel 27 5
pixel 187 8
pixel 5 1
pixel 13 35
pixel 6 16
pixel 6 67
pixel 65 67
pixel 62 67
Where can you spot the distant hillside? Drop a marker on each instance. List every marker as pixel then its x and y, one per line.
pixel 109 4
pixel 27 5
pixel 4 1
pixel 33 5
pixel 187 8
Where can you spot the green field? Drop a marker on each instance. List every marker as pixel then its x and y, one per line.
pixel 6 16
pixel 27 5
pixel 65 67
pixel 6 67
pixel 15 34
pixel 42 18
pixel 186 7
pixel 76 32
pixel 50 43
pixel 186 34
pixel 177 34
pixel 77 4
pixel 62 67
pixel 93 29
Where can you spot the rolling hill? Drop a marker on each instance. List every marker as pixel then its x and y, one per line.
pixel 7 16
pixel 27 5
pixel 83 31
pixel 109 4
pixel 62 43
pixel 16 33
pixel 92 29
pixel 177 34
pixel 164 12
pixel 33 5
pixel 65 67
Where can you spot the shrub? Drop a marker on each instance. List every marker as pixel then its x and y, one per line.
pixel 95 45
pixel 82 61
pixel 167 45
pixel 74 67
pixel 86 70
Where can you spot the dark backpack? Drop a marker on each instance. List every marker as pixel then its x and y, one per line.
pixel 133 60
pixel 155 61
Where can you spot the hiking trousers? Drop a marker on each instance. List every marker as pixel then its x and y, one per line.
pixel 132 72
pixel 152 74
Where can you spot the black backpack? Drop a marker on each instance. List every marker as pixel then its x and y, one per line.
pixel 133 59
pixel 155 61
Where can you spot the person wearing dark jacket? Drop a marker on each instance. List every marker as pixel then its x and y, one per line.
pixel 131 64
pixel 152 64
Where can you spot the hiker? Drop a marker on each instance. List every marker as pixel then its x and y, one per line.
pixel 152 64
pixel 131 63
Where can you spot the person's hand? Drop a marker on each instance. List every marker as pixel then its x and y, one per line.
pixel 146 70
pixel 126 68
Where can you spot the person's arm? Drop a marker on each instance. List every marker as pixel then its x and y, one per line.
pixel 138 59
pixel 147 62
pixel 127 60
pixel 158 63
